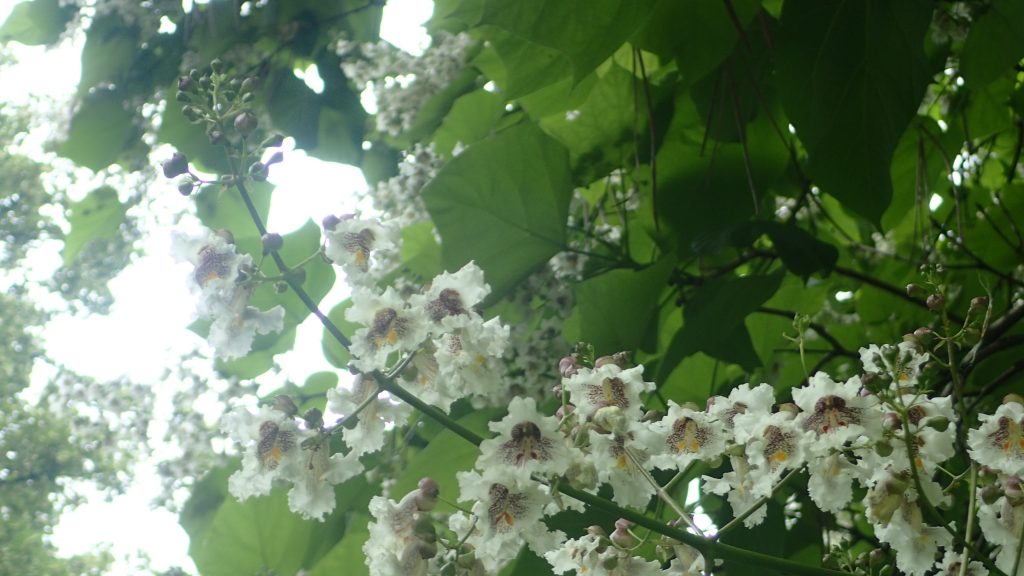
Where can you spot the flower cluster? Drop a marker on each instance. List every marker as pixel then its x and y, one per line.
pixel 222 278
pixel 879 430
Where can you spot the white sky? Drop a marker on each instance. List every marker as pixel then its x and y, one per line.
pixel 115 345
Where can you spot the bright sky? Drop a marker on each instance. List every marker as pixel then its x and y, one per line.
pixel 118 345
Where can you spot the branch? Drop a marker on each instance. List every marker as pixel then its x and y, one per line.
pixel 887 288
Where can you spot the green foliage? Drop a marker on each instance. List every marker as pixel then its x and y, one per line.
pixel 36 22
pixel 502 203
pixel 96 216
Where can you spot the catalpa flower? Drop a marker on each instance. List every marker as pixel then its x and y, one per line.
pixel 834 411
pixel 999 442
pixel 389 326
pixel 622 461
pixel 368 435
pixel 594 556
pixel 508 515
pixel 774 444
pixel 312 495
pixel 270 440
pixel 469 357
pixel 915 542
pixel 609 385
pixel 356 244
pixel 901 363
pixel 738 484
pixel 451 297
pixel 684 435
pixel 742 400
pixel 527 442
pixel 1002 523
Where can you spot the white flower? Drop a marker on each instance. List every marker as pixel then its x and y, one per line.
pixel 368 435
pixel 622 461
pixel 469 358
pixel 835 412
pixel 508 515
pixel 902 363
pixel 592 556
pixel 392 537
pixel 453 295
pixel 688 561
pixel 774 444
pixel 951 563
pixel 739 485
pixel 682 436
pixel 831 480
pixel 999 442
pixel 389 326
pixel 223 296
pixel 527 442
pixel 356 244
pixel 915 542
pixel 231 335
pixel 1002 523
pixel 270 441
pixel 742 400
pixel 931 446
pixel 312 495
pixel 609 385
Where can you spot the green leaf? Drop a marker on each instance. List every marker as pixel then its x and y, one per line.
pixel 503 203
pixel 994 44
pixel 701 34
pixel 420 252
pixel 586 31
pixel 800 251
pixel 98 215
pixel 36 22
pixel 713 319
pixel 520 67
pixel 294 108
pixel 446 454
pixel 471 118
pixel 851 76
pixel 110 48
pixel 618 307
pixel 258 534
pixel 221 207
pixel 346 557
pixel 100 130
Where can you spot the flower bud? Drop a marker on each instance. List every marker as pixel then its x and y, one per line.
pixel 564 411
pixel 428 494
pixel 790 409
pixel 174 166
pixel 246 122
pixel 622 538
pixel 877 557
pixel 217 65
pixel 330 222
pixel 883 449
pixel 299 276
pixel 913 290
pixel 280 287
pixel 1013 398
pixel 284 403
pixel 258 171
pixel 595 530
pixel 991 493
pixel 569 366
pixel 186 84
pixel 891 421
pixel 272 242
pixel 652 416
pixel 185 184
pixel 424 529
pixel 215 137
pixel 940 423
pixel 936 302
pixel 314 418
pixel 620 359
pixel 978 304
pixel 248 85
pixel 922 333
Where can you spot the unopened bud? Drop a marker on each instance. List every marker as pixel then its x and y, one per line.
pixel 272 242
pixel 424 529
pixel 936 302
pixel 246 122
pixel 913 290
pixel 1013 398
pixel 652 416
pixel 922 333
pixel 790 409
pixel 215 137
pixel 217 65
pixel 883 449
pixel 284 403
pixel 877 557
pixel 991 493
pixel 620 359
pixel 258 171
pixel 978 304
pixel 568 366
pixel 185 184
pixel 280 287
pixel 564 411
pixel 175 166
pixel 428 494
pixel 186 84
pixel 622 538
pixel 940 423
pixel 275 158
pixel 314 418
pixel 248 85
pixel 892 421
pixel 182 96
pixel 330 222
pixel 273 141
pixel 192 114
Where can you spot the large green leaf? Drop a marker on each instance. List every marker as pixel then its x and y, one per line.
pixel 36 22
pixel 617 308
pixel 334 352
pixel 851 76
pixel 98 215
pixel 346 557
pixel 586 31
pixel 471 118
pixel 100 130
pixel 503 203
pixel 995 43
pixel 713 320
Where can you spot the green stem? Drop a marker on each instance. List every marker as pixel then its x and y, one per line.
pixel 362 406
